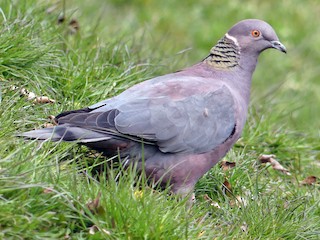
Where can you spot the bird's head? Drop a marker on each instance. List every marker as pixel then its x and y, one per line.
pixel 254 36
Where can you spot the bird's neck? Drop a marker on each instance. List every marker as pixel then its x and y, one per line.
pixel 224 55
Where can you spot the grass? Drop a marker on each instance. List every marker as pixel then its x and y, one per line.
pixel 50 191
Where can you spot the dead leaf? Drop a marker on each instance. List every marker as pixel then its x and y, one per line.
pixel 48 125
pixel 94 228
pixel 12 88
pixel 226 165
pixel 43 99
pixel 244 227
pixel 209 200
pixel 94 154
pixel 94 205
pixel 73 26
pixel 53 120
pixel 47 190
pixel 106 231
pixel 226 188
pixel 264 158
pixel 241 201
pixel 24 91
pixel 238 201
pixel 33 96
pixel 274 163
pixel 310 180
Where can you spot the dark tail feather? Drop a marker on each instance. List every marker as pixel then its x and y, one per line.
pixel 65 133
pixel 41 134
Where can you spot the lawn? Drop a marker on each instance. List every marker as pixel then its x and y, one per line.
pixel 79 52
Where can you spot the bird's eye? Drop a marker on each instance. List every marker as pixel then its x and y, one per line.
pixel 255 33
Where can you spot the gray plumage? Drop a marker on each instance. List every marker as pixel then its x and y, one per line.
pixel 187 120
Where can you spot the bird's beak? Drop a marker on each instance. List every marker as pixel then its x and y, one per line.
pixel 279 46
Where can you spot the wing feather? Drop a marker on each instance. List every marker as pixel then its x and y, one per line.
pixel 185 114
pixel 196 123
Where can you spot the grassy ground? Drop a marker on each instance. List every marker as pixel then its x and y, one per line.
pixel 49 191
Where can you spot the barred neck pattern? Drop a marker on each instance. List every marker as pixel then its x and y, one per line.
pixel 225 54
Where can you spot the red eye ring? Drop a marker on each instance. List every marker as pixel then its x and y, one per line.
pixel 255 33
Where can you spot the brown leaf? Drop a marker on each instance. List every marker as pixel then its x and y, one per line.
pixel 264 158
pixel 94 205
pixel 73 26
pixel 53 120
pixel 33 96
pixel 274 163
pixel 43 99
pixel 310 180
pixel 48 125
pixel 28 94
pixel 47 190
pixel 226 188
pixel 212 203
pixel 226 165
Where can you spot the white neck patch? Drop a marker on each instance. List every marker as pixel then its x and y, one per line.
pixel 232 39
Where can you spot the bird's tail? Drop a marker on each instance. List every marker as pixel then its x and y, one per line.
pixel 41 134
pixel 65 133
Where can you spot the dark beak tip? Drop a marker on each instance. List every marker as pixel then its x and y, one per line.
pixel 279 46
pixel 283 49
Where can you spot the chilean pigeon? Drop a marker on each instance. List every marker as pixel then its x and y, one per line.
pixel 177 126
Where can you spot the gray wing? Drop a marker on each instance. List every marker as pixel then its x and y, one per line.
pixel 197 123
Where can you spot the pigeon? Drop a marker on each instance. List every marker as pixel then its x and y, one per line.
pixel 175 127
